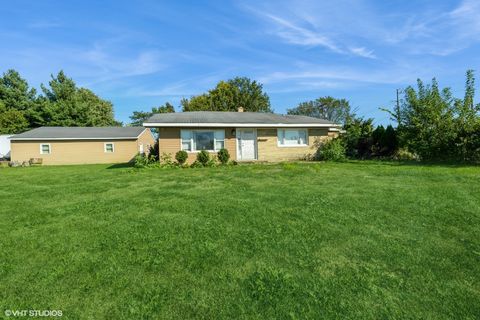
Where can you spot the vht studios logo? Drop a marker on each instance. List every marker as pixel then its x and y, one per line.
pixel 33 313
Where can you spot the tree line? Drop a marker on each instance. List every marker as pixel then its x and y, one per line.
pixel 432 125
pixel 60 103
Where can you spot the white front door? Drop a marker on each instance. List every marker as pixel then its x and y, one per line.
pixel 246 142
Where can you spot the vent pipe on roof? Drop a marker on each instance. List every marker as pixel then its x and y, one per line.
pixel 240 109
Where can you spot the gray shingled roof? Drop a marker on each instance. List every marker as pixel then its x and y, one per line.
pixel 215 117
pixel 80 133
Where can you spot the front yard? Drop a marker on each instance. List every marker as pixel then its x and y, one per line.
pixel 347 240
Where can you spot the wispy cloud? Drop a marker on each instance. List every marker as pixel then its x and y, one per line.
pixel 330 77
pixel 183 88
pixel 303 32
pixel 363 52
pixel 466 18
pixel 302 36
pixel 439 33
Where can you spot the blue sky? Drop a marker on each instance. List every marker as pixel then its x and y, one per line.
pixel 140 54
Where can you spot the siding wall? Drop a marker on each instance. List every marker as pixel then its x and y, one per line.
pixel 80 151
pixel 146 138
pixel 268 150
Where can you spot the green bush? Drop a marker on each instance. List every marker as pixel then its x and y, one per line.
pixel 196 164
pixel 153 151
pixel 142 160
pixel 405 155
pixel 203 157
pixel 211 163
pixel 166 160
pixel 223 156
pixel 332 150
pixel 181 156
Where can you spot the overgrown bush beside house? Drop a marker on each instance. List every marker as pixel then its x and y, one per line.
pixel 223 156
pixel 332 150
pixel 203 157
pixel 153 151
pixel 203 160
pixel 181 156
pixel 361 141
pixel 144 160
pixel 166 160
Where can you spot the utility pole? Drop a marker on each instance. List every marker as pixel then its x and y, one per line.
pixel 398 100
pixel 397 109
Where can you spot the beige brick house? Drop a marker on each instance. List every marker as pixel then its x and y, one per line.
pixel 81 145
pixel 248 136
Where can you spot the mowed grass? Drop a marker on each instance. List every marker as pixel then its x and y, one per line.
pixel 336 241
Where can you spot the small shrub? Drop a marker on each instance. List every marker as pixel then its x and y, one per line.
pixel 181 156
pixel 144 160
pixel 211 163
pixel 153 151
pixel 166 160
pixel 196 164
pixel 141 161
pixel 203 157
pixel 332 150
pixel 223 156
pixel 405 155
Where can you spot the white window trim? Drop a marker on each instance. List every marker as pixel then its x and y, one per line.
pixel 49 148
pixel 105 147
pixel 202 130
pixel 295 145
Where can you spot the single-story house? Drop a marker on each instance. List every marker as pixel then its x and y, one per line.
pixel 5 146
pixel 248 136
pixel 81 145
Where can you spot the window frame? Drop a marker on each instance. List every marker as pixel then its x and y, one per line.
pixel 105 147
pixel 192 138
pixel 49 148
pixel 280 145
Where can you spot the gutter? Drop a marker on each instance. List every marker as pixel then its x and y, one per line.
pixel 239 125
pixel 46 138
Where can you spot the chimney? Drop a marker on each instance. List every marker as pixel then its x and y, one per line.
pixel 240 109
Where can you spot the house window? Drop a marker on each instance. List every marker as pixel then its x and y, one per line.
pixel 292 137
pixel 109 147
pixel 45 148
pixel 197 140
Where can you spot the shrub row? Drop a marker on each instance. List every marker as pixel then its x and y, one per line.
pixel 204 159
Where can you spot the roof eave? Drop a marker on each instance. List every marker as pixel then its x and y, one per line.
pixel 239 125
pixel 98 138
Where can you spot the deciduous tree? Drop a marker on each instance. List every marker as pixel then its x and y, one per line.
pixel 139 117
pixel 329 108
pixel 229 96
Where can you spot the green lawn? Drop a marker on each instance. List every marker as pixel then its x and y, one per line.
pixel 346 241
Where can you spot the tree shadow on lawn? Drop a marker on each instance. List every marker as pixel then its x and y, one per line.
pixel 121 165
